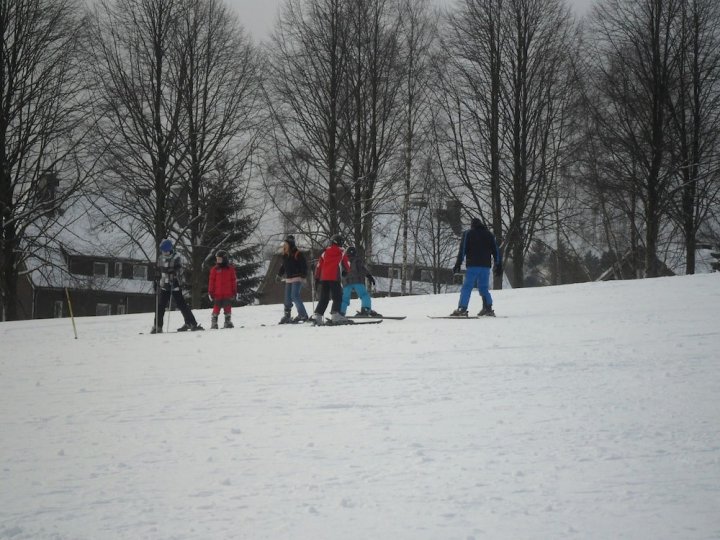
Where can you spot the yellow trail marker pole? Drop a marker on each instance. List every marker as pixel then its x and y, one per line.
pixel 72 318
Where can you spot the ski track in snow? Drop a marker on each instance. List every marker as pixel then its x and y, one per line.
pixel 591 412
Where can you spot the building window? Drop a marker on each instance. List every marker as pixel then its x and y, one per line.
pixel 100 269
pixel 118 269
pixel 58 309
pixel 394 273
pixel 121 309
pixel 426 275
pixel 140 271
pixel 103 309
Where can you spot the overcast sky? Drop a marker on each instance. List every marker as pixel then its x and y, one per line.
pixel 258 16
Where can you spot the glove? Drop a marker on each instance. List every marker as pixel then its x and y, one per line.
pixel 371 280
pixel 456 269
pixel 344 273
pixel 498 269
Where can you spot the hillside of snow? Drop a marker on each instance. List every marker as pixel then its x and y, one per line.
pixel 582 412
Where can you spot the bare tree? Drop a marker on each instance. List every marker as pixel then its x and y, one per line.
pixel 373 84
pixel 635 49
pixel 43 113
pixel 540 34
pixel 418 35
pixel 141 71
pixel 694 111
pixel 221 98
pixel 307 95
pixel 504 99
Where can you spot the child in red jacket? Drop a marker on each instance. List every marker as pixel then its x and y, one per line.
pixel 333 264
pixel 222 288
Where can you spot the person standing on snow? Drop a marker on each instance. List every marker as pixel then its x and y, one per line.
pixel 169 264
pixel 331 267
pixel 477 247
pixel 294 271
pixel 355 281
pixel 222 289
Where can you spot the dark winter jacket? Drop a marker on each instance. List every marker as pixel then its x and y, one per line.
pixel 293 265
pixel 170 268
pixel 222 284
pixel 477 247
pixel 330 263
pixel 358 271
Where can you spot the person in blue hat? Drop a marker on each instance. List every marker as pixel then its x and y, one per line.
pixel 170 266
pixel 478 248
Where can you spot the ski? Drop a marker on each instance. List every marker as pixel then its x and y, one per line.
pixel 350 323
pixel 390 318
pixel 466 318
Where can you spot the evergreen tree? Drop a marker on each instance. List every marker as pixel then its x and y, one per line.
pixel 228 226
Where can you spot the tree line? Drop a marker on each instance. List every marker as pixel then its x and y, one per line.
pixel 576 140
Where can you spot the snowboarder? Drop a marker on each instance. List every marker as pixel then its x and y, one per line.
pixel 222 289
pixel 332 266
pixel 355 281
pixel 294 272
pixel 169 265
pixel 477 247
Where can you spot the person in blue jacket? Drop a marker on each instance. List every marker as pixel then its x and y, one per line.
pixel 477 247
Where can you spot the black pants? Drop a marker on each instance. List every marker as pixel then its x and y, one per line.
pixel 328 289
pixel 179 301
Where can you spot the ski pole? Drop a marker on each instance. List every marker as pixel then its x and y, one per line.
pixel 170 306
pixel 72 317
pixel 312 287
pixel 157 302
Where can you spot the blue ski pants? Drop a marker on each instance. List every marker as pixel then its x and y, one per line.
pixel 362 293
pixel 475 276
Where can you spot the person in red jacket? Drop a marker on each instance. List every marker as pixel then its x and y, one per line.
pixel 332 265
pixel 222 288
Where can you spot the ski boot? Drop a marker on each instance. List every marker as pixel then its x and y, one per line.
pixel 337 319
pixel 318 319
pixel 300 319
pixel 194 327
pixel 487 310
pixel 156 330
pixel 460 312
pixel 213 322
pixel 286 319
pixel 367 312
pixel 228 322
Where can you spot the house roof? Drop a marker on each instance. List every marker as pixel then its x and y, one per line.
pixel 82 229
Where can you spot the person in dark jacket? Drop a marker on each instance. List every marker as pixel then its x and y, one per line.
pixel 332 266
pixel 222 289
pixel 169 266
pixel 477 247
pixel 355 281
pixel 294 271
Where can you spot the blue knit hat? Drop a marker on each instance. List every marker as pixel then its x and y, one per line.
pixel 166 246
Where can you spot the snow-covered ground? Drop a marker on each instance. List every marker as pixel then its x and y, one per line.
pixel 587 412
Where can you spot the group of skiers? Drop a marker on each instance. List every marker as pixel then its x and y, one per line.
pixel 335 266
